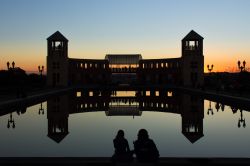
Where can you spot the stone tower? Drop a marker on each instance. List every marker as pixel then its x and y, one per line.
pixel 57 60
pixel 192 60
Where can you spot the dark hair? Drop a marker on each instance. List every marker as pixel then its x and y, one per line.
pixel 142 134
pixel 120 134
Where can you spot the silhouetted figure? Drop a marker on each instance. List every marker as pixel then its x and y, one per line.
pixel 145 148
pixel 122 151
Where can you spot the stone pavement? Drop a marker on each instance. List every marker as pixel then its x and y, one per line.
pixel 238 101
pixel 72 161
pixel 38 96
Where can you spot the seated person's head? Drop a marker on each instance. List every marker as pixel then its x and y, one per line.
pixel 120 134
pixel 142 134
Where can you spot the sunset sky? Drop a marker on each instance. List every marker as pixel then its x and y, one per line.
pixel 153 28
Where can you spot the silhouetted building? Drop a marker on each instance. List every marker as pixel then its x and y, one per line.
pixel 190 108
pixel 192 60
pixel 57 60
pixel 123 67
pixel 186 70
pixel 123 107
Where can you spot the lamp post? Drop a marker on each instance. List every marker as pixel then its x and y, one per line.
pixel 40 70
pixel 217 106
pixel 210 68
pixel 222 107
pixel 210 109
pixel 243 66
pixel 8 65
pixel 13 64
pixel 241 120
pixel 41 109
pixel 11 121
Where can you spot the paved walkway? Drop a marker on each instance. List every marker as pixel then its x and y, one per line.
pixel 72 161
pixel 33 97
pixel 240 102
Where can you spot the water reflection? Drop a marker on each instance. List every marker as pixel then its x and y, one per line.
pixel 11 122
pixel 57 114
pixel 219 106
pixel 241 120
pixel 178 123
pixel 41 109
pixel 191 109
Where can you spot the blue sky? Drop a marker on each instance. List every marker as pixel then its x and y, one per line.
pixel 94 28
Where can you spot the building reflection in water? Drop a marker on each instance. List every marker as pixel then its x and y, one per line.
pixel 192 113
pixel 11 122
pixel 191 109
pixel 241 120
pixel 210 109
pixel 57 114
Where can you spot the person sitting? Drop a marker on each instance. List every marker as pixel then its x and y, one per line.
pixel 122 150
pixel 145 148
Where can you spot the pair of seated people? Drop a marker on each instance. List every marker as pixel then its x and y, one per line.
pixel 144 148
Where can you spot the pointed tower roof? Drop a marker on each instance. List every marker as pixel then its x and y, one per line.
pixel 58 137
pixel 192 35
pixel 57 36
pixel 193 137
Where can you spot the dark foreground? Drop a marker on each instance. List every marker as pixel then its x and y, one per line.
pixel 61 161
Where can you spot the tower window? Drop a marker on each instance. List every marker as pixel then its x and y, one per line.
pixel 57 77
pixel 194 76
pixel 58 45
pixel 191 45
pixel 169 94
pixel 54 65
pixel 193 65
pixel 78 94
pixel 162 65
pixel 54 78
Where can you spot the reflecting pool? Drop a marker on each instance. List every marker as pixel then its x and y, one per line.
pixel 81 125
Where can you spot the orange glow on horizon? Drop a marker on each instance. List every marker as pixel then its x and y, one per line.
pixel 31 66
pixel 29 59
